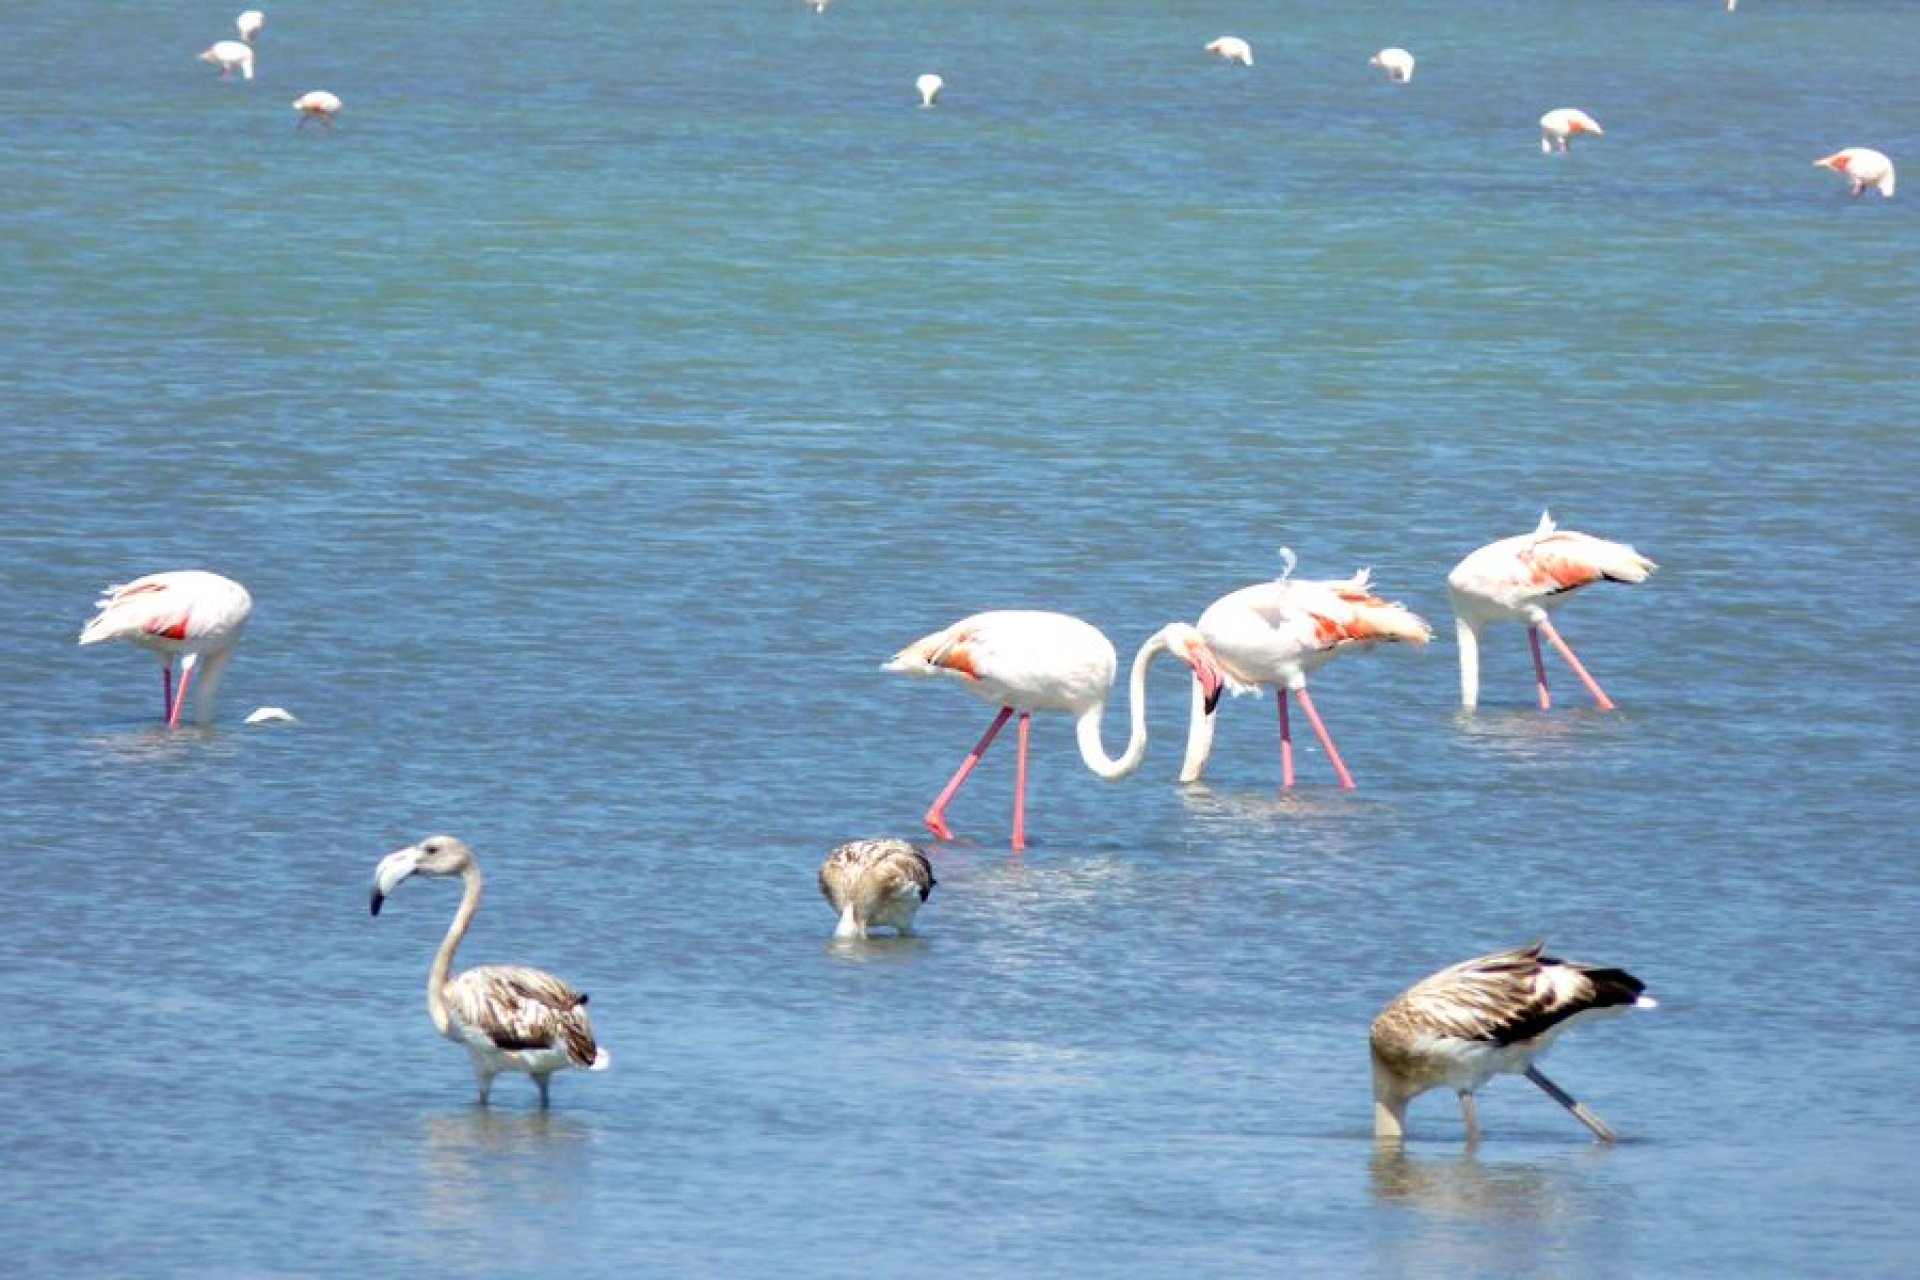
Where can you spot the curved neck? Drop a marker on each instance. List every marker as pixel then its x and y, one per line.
pixel 1087 729
pixel 443 959
pixel 1199 736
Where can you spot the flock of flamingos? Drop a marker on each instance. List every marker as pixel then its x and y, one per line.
pixel 1455 1029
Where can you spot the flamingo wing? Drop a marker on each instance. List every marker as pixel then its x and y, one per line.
pixel 519 1008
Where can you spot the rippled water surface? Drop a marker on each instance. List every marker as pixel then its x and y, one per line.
pixel 596 407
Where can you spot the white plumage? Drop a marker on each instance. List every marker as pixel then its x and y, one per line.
pixel 229 55
pixel 1397 63
pixel 185 614
pixel 317 104
pixel 1862 167
pixel 1558 127
pixel 929 87
pixel 249 23
pixel 1233 50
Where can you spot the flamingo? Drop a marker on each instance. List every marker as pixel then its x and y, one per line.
pixel 929 86
pixel 1557 128
pixel 1274 633
pixel 317 104
pixel 506 1017
pixel 1862 167
pixel 1397 63
pixel 249 24
pixel 228 54
pixel 1518 579
pixel 876 884
pixel 1029 660
pixel 188 614
pixel 1464 1025
pixel 1232 50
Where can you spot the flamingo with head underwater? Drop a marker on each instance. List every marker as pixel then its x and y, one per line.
pixel 1024 660
pixel 1274 633
pixel 188 614
pixel 1518 579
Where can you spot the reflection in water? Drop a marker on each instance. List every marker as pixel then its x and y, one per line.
pixel 881 948
pixel 1463 1187
pixel 1520 733
pixel 156 742
pixel 482 1164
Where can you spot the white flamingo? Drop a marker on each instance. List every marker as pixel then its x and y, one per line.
pixel 1232 50
pixel 506 1017
pixel 1030 660
pixel 317 104
pixel 1862 167
pixel 1489 1016
pixel 929 86
pixel 228 55
pixel 188 614
pixel 876 884
pixel 1518 579
pixel 1397 63
pixel 1274 633
pixel 1558 127
pixel 249 24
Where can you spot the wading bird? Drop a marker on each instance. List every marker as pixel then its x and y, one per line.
pixel 1233 50
pixel 188 614
pixel 249 24
pixel 876 884
pixel 1862 167
pixel 506 1017
pixel 1397 63
pixel 929 86
pixel 1028 660
pixel 229 54
pixel 1485 1017
pixel 1557 128
pixel 317 104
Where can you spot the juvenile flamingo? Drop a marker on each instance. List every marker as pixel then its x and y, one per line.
pixel 1462 1026
pixel 1029 660
pixel 229 54
pixel 506 1017
pixel 1862 167
pixel 1518 579
pixel 188 614
pixel 1274 633
pixel 1558 127
pixel 876 884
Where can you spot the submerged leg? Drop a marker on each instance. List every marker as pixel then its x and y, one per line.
pixel 1539 667
pixel 541 1080
pixel 1470 1114
pixel 483 1078
pixel 1286 738
pixel 166 687
pixel 1326 739
pixel 936 818
pixel 1020 786
pixel 1580 1110
pixel 1566 651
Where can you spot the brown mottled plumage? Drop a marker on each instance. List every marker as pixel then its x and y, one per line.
pixel 1493 1014
pixel 508 1018
pixel 875 884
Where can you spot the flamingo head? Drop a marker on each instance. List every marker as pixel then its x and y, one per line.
pixel 1186 643
pixel 1586 124
pixel 434 856
pixel 1837 162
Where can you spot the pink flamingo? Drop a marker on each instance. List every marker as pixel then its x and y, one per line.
pixel 1518 579
pixel 1029 660
pixel 190 614
pixel 1274 633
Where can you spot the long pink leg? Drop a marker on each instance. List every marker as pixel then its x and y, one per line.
pixel 1539 667
pixel 180 694
pixel 1286 739
pixel 1593 687
pixel 1020 786
pixel 936 818
pixel 1326 741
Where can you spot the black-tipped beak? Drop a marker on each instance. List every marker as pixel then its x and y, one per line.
pixel 378 898
pixel 1213 697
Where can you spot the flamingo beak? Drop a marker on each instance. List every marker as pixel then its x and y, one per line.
pixel 1208 673
pixel 393 868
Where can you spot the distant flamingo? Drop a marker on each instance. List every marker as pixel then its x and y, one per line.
pixel 228 54
pixel 1557 128
pixel 1232 49
pixel 190 614
pixel 1274 633
pixel 317 104
pixel 929 86
pixel 1518 579
pixel 1397 63
pixel 1027 661
pixel 1862 167
pixel 249 24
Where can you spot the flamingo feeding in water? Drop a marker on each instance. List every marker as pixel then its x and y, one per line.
pixel 1557 128
pixel 229 54
pixel 1029 660
pixel 1493 1015
pixel 506 1017
pixel 1518 579
pixel 876 884
pixel 188 614
pixel 249 24
pixel 1397 63
pixel 1274 633
pixel 317 104
pixel 1232 50
pixel 929 86
pixel 1862 167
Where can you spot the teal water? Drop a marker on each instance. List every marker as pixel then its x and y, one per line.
pixel 612 391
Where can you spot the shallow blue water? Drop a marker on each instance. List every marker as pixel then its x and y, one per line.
pixel 596 408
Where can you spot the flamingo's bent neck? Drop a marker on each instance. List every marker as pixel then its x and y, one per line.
pixel 1087 728
pixel 443 959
